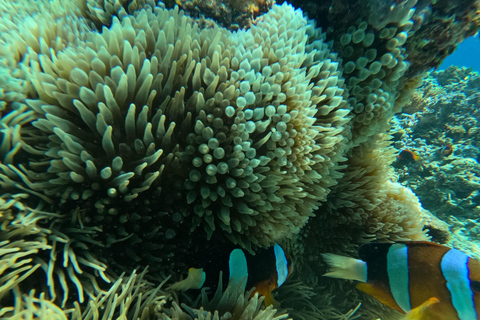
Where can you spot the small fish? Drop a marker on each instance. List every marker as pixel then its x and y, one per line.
pixel 406 155
pixel 447 150
pixel 423 279
pixel 267 270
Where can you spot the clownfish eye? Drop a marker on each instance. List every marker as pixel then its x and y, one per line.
pixel 476 286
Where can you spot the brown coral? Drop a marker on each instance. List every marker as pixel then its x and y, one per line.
pixel 232 14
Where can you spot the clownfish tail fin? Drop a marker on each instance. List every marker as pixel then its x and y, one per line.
pixel 194 280
pixel 345 267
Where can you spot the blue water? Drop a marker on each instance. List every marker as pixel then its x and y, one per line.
pixel 467 54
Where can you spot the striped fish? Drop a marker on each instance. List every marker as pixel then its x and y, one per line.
pixel 423 279
pixel 267 270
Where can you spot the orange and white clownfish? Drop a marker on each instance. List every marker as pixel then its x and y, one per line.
pixel 426 280
pixel 407 156
pixel 447 150
pixel 267 270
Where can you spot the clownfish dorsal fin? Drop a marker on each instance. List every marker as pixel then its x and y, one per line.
pixel 237 268
pixel 345 267
pixel 380 295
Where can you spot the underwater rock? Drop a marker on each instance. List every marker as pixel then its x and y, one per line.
pixel 232 14
pixel 444 114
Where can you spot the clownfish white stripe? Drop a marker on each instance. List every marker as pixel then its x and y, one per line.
pixel 281 264
pixel 397 270
pixel 237 267
pixel 455 270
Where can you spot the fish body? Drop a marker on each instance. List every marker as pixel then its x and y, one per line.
pixel 265 271
pixel 405 276
pixel 408 156
pixel 447 150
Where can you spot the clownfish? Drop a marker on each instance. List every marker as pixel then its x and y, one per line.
pixel 267 270
pixel 407 156
pixel 447 150
pixel 425 280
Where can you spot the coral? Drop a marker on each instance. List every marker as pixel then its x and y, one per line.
pixel 232 14
pixel 445 24
pixel 446 115
pixel 437 229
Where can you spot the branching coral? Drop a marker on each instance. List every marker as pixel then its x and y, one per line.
pixel 446 115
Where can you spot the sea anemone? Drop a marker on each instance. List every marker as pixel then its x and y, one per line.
pixel 234 131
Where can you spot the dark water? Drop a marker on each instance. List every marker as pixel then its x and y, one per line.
pixel 467 54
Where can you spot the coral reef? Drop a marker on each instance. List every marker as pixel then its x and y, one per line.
pixel 444 115
pixel 136 139
pixel 232 14
pixel 444 112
